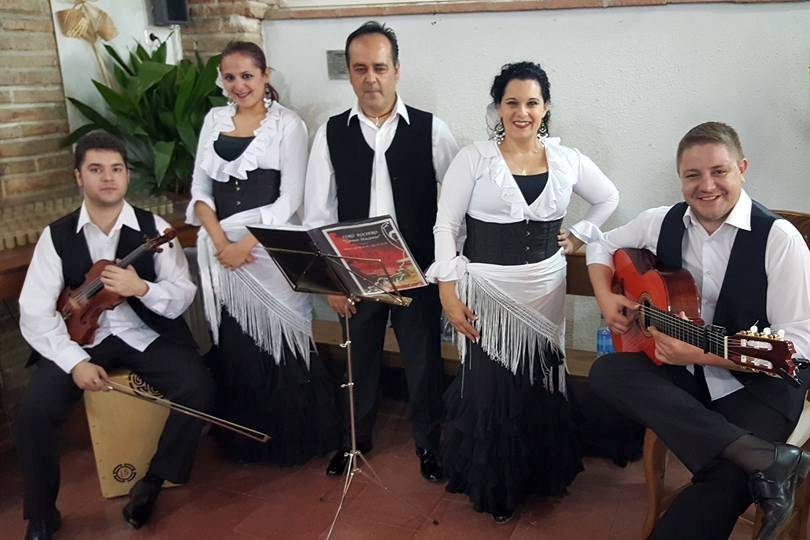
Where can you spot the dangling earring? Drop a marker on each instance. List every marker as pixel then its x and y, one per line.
pixel 542 133
pixel 267 99
pixel 499 132
pixel 231 101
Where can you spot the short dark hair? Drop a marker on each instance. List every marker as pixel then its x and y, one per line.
pixel 522 71
pixel 97 140
pixel 255 53
pixel 373 27
pixel 710 133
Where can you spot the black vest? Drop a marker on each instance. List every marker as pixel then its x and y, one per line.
pixel 76 261
pixel 410 166
pixel 743 297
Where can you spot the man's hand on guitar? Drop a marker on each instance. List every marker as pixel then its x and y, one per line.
pixel 675 352
pixel 89 376
pixel 619 311
pixel 123 281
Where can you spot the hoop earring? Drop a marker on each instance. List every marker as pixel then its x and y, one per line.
pixel 267 99
pixel 499 132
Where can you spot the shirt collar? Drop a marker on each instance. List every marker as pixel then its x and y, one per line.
pixel 739 217
pixel 125 217
pixel 399 109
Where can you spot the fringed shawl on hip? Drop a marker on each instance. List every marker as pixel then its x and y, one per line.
pixel 257 295
pixel 520 310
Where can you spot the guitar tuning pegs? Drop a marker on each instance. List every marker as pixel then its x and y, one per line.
pixel 780 334
pixel 753 329
pixel 766 331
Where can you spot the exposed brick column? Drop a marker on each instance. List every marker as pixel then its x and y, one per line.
pixel 33 117
pixel 216 22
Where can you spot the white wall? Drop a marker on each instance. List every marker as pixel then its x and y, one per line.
pixel 626 84
pixel 78 65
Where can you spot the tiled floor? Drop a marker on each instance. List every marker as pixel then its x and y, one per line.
pixel 226 501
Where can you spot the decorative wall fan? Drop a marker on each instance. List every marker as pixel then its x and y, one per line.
pixel 90 23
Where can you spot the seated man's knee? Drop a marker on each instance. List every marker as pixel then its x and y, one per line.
pixel 605 372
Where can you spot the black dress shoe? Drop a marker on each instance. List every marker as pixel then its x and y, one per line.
pixel 429 465
pixel 774 489
pixel 142 499
pixel 501 515
pixel 43 529
pixel 337 465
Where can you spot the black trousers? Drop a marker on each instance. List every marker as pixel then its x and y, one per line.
pixel 676 406
pixel 418 335
pixel 174 370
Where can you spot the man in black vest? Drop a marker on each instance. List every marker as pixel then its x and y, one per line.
pixel 384 157
pixel 145 333
pixel 751 268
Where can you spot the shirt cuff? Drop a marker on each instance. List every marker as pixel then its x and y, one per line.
pixel 595 253
pixel 70 357
pixel 443 270
pixel 155 299
pixel 585 231
pixel 191 216
pixel 268 218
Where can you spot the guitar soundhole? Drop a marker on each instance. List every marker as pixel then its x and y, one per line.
pixel 646 303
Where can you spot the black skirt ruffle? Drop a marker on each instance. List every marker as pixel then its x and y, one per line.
pixel 293 405
pixel 506 438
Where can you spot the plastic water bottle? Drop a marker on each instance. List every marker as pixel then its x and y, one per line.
pixel 604 342
pixel 447 329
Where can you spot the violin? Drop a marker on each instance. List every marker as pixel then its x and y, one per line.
pixel 81 307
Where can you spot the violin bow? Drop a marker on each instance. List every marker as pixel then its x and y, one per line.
pixel 163 402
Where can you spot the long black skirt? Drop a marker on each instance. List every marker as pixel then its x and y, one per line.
pixel 293 405
pixel 506 438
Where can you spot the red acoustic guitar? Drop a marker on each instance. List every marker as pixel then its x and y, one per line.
pixel 81 307
pixel 663 294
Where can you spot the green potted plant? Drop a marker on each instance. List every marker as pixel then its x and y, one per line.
pixel 157 110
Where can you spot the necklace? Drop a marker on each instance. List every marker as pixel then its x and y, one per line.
pixel 378 120
pixel 526 162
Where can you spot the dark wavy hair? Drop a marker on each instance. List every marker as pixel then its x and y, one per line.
pixel 97 140
pixel 373 27
pixel 255 53
pixel 522 71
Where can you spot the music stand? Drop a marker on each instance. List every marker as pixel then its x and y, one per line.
pixel 315 272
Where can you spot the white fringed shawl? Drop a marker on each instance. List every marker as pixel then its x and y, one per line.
pixel 257 295
pixel 520 309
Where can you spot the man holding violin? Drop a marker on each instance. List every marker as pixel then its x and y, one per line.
pixel 144 332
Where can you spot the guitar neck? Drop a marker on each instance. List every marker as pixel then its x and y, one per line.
pixel 710 338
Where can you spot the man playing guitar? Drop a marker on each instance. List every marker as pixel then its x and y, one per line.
pixel 750 268
pixel 144 333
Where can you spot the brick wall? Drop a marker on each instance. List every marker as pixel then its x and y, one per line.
pixel 33 117
pixel 216 22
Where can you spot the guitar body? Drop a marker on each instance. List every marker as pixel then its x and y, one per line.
pixel 636 277
pixel 81 314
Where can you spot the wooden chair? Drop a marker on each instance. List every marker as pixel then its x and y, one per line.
pixel 656 454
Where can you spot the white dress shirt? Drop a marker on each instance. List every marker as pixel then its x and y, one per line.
pixel 279 143
pixel 320 197
pixel 787 264
pixel 480 184
pixel 43 327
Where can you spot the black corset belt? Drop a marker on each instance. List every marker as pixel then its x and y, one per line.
pixel 259 189
pixel 511 244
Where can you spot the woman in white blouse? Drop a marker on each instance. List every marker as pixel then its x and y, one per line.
pixel 249 170
pixel 509 429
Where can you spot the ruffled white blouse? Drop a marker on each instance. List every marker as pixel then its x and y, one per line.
pixel 480 184
pixel 280 143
